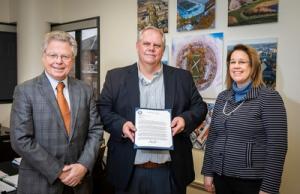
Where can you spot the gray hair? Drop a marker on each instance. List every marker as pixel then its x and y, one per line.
pixel 60 36
pixel 155 29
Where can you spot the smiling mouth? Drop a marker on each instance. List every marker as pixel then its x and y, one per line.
pixel 149 55
pixel 58 69
pixel 237 72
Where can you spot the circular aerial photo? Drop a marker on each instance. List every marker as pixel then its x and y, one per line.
pixel 200 59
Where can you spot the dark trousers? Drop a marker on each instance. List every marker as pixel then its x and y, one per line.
pixel 152 181
pixel 68 190
pixel 230 185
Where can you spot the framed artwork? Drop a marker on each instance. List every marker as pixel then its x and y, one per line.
pixel 199 135
pixel 202 56
pixel 198 138
pixel 267 49
pixel 245 12
pixel 195 14
pixel 153 13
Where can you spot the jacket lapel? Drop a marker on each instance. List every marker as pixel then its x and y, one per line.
pixel 48 93
pixel 131 85
pixel 74 93
pixel 170 85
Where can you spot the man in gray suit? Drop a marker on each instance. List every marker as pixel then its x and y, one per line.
pixel 57 154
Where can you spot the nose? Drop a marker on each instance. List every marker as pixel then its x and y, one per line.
pixel 151 47
pixel 58 59
pixel 236 65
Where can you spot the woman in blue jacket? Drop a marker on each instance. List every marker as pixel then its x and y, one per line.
pixel 247 142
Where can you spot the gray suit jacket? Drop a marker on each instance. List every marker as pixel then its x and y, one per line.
pixel 38 135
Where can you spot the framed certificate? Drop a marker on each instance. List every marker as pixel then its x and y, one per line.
pixel 153 129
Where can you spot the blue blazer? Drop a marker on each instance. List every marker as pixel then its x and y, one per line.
pixel 118 100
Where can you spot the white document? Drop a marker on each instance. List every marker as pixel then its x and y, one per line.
pixel 12 180
pixel 153 129
pixel 6 187
pixel 2 174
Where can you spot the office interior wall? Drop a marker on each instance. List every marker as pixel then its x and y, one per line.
pixel 118 31
pixel 4 11
pixel 33 21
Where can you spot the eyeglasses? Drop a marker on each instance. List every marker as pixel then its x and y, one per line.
pixel 53 56
pixel 149 45
pixel 238 62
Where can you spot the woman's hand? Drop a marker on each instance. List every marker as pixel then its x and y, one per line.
pixel 208 184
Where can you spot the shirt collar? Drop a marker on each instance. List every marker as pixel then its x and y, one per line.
pixel 54 82
pixel 156 75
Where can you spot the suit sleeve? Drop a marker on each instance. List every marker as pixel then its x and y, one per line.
pixel 94 137
pixel 275 125
pixel 112 121
pixel 22 137
pixel 197 110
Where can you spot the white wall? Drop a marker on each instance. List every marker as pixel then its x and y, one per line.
pixel 4 11
pixel 117 48
pixel 33 18
pixel 117 28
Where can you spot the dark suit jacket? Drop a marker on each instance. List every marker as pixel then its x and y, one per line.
pixel 38 134
pixel 118 100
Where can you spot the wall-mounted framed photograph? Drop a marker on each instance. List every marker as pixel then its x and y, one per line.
pixel 267 50
pixel 153 13
pixel 202 56
pixel 195 14
pixel 245 12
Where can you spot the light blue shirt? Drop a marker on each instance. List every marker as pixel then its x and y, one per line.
pixel 152 95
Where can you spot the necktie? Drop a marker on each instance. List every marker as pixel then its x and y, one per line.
pixel 63 106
